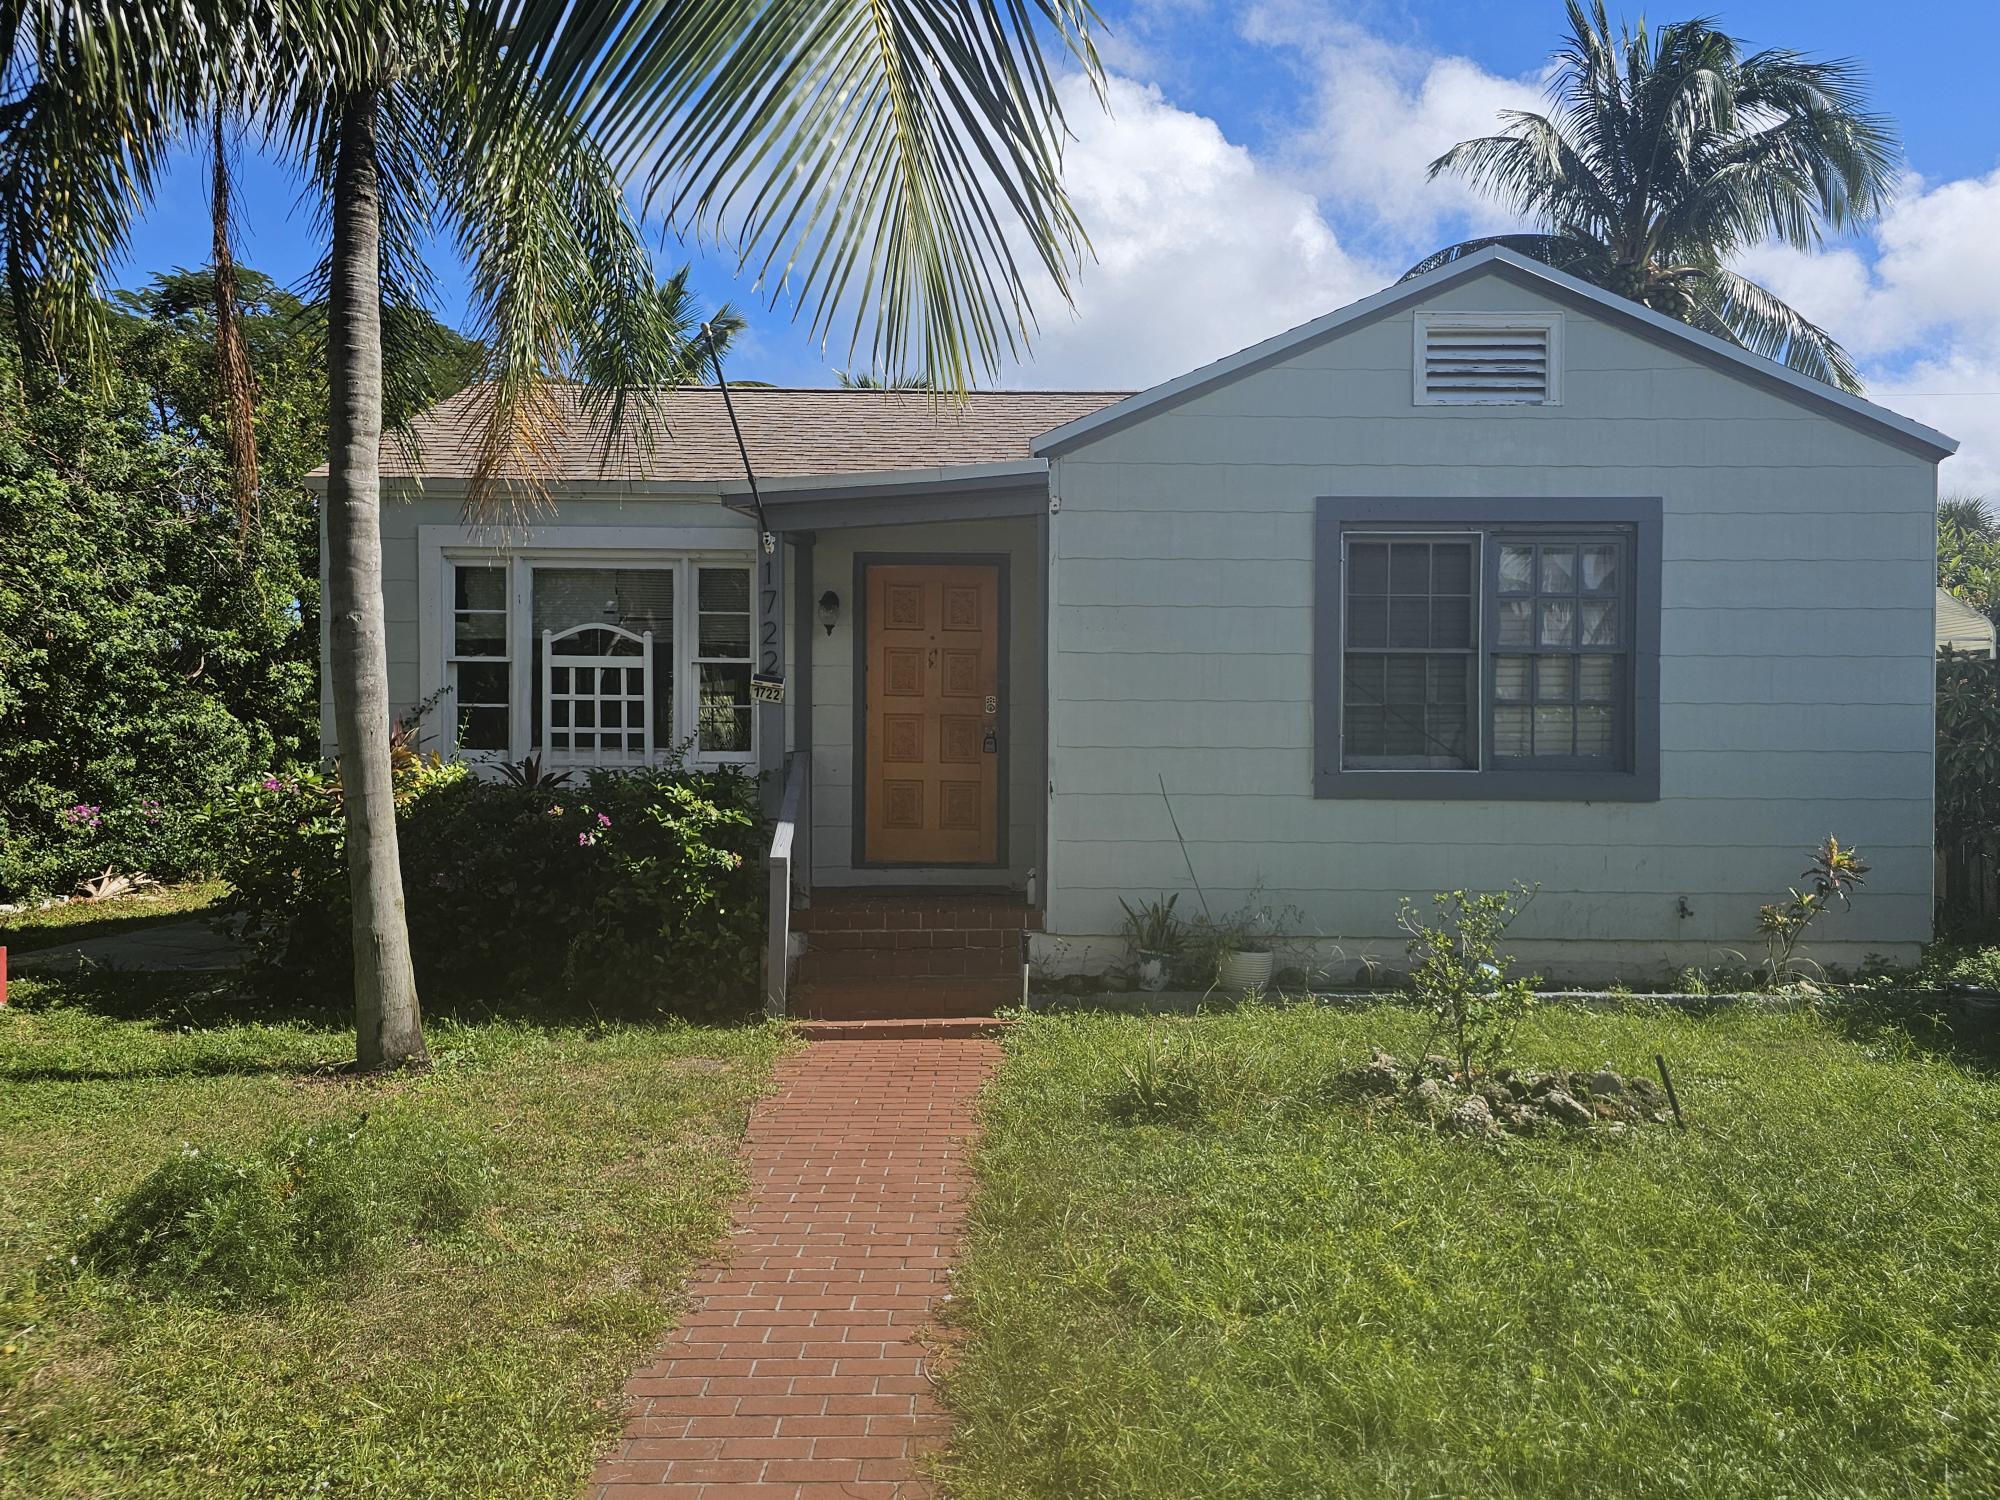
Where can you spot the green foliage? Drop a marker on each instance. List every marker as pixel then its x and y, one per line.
pixel 310 1208
pixel 1154 926
pixel 1968 544
pixel 1795 1296
pixel 1459 972
pixel 149 661
pixel 1162 1083
pixel 1833 875
pixel 646 884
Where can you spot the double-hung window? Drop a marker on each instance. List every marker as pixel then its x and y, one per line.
pixel 1487 649
pixel 593 661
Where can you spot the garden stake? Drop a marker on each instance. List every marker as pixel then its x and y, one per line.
pixel 1672 1098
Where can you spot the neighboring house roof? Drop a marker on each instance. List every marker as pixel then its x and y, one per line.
pixel 790 434
pixel 1559 285
pixel 1962 627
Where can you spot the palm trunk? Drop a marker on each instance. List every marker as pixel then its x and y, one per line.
pixel 385 988
pixel 232 361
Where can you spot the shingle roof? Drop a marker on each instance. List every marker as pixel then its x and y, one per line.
pixel 790 433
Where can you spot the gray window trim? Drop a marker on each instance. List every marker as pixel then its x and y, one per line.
pixel 1335 513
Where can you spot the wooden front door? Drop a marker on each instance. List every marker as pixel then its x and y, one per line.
pixel 932 726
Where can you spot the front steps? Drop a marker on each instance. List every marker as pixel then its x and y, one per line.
pixel 910 956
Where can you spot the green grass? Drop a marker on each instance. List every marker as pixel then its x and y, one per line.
pixel 73 921
pixel 1261 1293
pixel 486 1360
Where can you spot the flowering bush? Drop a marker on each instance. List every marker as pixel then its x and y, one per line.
pixel 643 885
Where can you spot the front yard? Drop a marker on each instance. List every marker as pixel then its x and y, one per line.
pixel 1258 1289
pixel 486 1360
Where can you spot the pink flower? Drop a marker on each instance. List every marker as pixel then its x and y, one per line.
pixel 585 840
pixel 604 820
pixel 271 783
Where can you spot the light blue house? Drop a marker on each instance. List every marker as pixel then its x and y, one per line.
pixel 1491 577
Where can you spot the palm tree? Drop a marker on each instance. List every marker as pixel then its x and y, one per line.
pixel 1666 155
pixel 869 380
pixel 878 161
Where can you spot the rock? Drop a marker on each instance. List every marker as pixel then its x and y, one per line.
pixel 1607 1109
pixel 1471 1116
pixel 1383 1059
pixel 1648 1093
pixel 1562 1106
pixel 1373 1080
pixel 1606 1083
pixel 1437 1065
pixel 1430 1099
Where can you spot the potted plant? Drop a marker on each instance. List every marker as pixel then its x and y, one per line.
pixel 1234 950
pixel 1157 935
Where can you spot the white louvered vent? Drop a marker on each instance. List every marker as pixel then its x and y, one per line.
pixel 1492 359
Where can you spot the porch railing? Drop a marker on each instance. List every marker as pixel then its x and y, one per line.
pixel 789 867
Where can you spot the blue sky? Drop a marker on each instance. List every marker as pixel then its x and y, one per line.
pixel 1262 163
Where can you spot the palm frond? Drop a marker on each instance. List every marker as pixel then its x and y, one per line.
pixel 891 166
pixel 1737 309
pixel 1576 254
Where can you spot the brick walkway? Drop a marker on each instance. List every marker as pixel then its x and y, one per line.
pixel 800 1371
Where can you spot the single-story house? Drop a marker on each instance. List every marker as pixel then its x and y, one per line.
pixel 1491 577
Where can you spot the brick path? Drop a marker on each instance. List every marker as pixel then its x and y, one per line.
pixel 800 1371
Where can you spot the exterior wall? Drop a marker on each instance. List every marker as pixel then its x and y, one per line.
pixel 1796 657
pixel 834 693
pixel 402 592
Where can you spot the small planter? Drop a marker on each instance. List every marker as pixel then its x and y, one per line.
pixel 1152 973
pixel 1244 973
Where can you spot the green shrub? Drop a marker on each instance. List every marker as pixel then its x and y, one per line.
pixel 306 1211
pixel 647 884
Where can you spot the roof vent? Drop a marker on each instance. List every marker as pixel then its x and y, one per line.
pixel 1487 359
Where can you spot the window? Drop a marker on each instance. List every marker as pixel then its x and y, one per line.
pixel 477 671
pixel 1504 648
pixel 723 659
pixel 600 665
pixel 1490 359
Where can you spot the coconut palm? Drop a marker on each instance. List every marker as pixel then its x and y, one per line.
pixel 882 163
pixel 1666 154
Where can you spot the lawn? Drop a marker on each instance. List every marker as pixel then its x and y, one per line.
pixel 35 927
pixel 1262 1294
pixel 483 1361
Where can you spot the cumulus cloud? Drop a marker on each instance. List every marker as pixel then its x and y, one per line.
pixel 1199 249
pixel 1379 113
pixel 1919 307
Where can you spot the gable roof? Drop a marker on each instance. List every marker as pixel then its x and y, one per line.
pixel 1497 260
pixel 790 434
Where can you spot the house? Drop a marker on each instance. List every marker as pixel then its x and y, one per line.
pixel 1489 577
pixel 1962 628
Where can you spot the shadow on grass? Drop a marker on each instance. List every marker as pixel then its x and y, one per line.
pixel 212 1000
pixel 1924 1023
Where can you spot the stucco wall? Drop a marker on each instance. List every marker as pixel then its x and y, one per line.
pixel 1796 667
pixel 834 689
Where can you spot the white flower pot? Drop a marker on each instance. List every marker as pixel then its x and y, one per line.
pixel 1152 971
pixel 1244 973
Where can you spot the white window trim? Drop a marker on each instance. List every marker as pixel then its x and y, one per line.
pixel 440 548
pixel 1550 324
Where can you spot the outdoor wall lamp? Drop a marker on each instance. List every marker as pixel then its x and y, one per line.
pixel 829 610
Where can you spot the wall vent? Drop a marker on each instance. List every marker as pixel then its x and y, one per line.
pixel 1487 359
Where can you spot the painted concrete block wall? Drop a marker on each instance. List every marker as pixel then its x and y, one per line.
pixel 834 690
pixel 1796 672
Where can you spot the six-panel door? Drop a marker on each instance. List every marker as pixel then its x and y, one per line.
pixel 932 714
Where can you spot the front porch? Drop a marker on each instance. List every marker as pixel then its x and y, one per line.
pixel 915 735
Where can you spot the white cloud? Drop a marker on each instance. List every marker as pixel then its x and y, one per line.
pixel 1379 114
pixel 1199 249
pixel 1922 317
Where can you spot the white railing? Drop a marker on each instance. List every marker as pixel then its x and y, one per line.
pixel 790 852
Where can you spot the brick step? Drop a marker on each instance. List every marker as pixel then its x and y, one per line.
pixel 903 999
pixel 931 1028
pixel 831 913
pixel 899 939
pixel 907 963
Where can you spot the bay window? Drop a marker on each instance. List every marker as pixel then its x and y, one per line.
pixel 1500 648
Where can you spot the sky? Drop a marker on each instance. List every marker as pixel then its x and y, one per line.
pixel 1261 164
